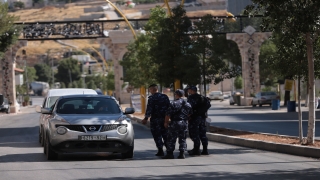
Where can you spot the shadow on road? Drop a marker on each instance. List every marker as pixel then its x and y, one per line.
pixel 311 173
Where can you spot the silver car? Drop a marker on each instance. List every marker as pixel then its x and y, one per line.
pixel 87 123
pixel 262 98
pixel 50 99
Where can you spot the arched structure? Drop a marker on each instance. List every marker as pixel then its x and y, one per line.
pixel 7 72
pixel 117 45
pixel 249 43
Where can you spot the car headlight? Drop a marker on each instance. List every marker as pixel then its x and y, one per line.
pixel 123 120
pixel 122 129
pixel 62 130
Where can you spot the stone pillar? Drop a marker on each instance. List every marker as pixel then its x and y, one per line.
pixel 117 44
pixel 249 44
pixel 8 65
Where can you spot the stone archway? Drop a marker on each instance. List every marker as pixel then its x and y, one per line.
pixel 7 69
pixel 249 44
pixel 117 44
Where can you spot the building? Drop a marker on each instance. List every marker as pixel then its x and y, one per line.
pixel 27 3
pixel 237 6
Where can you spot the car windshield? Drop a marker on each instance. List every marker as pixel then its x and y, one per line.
pixel 216 93
pixel 88 105
pixel 268 93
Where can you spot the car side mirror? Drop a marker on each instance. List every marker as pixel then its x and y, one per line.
pixel 46 111
pixel 38 109
pixel 129 111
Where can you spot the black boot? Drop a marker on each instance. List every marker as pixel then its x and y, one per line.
pixel 169 155
pixel 160 152
pixel 205 150
pixel 190 150
pixel 195 152
pixel 181 155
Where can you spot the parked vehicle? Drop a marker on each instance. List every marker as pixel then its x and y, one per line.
pixel 5 106
pixel 232 99
pixel 262 98
pixel 50 99
pixel 87 123
pixel 213 95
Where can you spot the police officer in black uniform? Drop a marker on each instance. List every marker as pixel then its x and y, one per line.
pixel 158 104
pixel 179 112
pixel 197 124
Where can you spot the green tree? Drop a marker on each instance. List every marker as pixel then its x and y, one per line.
pixel 139 68
pixel 31 74
pixel 294 19
pixel 172 50
pixel 238 82
pixel 91 85
pixel 75 84
pixel 18 4
pixel 110 81
pixel 215 51
pixel 9 32
pixel 43 72
pixel 80 83
pixel 62 85
pixel 68 71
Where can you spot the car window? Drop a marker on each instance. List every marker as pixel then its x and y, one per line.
pixel 86 105
pixel 51 100
pixel 271 93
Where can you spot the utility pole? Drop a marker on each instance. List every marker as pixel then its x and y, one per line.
pixel 52 72
pixel 26 71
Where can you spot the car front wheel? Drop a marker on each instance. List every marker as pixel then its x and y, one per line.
pixel 51 155
pixel 129 154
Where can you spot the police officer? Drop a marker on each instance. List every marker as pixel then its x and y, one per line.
pixel 197 124
pixel 179 112
pixel 158 104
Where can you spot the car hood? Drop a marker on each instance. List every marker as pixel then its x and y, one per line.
pixel 90 119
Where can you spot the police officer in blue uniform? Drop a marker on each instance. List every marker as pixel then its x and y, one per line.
pixel 197 124
pixel 157 106
pixel 179 112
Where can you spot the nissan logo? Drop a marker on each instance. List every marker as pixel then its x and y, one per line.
pixel 92 128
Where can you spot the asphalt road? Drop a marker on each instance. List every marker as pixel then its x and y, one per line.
pixel 21 157
pixel 260 119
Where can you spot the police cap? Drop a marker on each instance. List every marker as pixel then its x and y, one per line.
pixel 152 85
pixel 194 88
pixel 179 92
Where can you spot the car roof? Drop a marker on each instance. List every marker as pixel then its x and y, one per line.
pixel 87 95
pixel 70 91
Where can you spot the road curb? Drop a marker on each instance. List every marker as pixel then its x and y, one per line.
pixel 268 146
pixel 256 144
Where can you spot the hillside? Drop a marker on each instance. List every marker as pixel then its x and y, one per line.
pixel 75 10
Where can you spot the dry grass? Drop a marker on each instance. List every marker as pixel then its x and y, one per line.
pixel 202 13
pixel 49 13
pixel 38 47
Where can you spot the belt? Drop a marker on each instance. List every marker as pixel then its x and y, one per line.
pixel 178 120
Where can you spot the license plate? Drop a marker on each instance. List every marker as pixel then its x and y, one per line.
pixel 92 138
